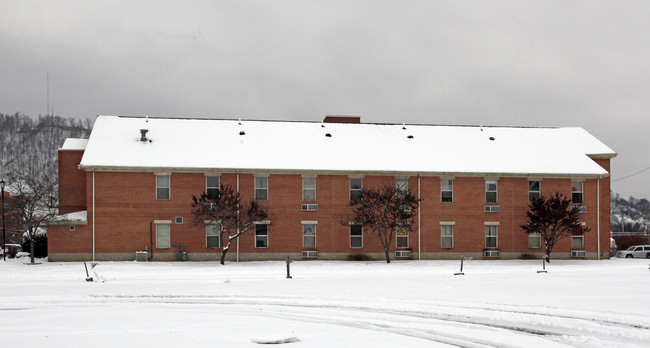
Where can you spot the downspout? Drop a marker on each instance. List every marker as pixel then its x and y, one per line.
pixel 419 223
pixel 238 216
pixel 93 214
pixel 598 214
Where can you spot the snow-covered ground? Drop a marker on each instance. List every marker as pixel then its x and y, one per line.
pixel 327 304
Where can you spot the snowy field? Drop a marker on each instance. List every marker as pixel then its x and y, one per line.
pixel 327 304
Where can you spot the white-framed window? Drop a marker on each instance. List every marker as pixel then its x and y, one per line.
pixel 402 235
pixel 491 236
pixel 578 237
pixel 309 189
pixel 261 236
pixel 577 192
pixel 162 187
pixel 212 184
pixel 534 190
pixel 356 236
pixel 447 190
pixel 356 184
pixel 309 235
pixel 577 242
pixel 402 186
pixel 490 191
pixel 212 239
pixel 447 236
pixel 261 188
pixel 534 240
pixel 163 235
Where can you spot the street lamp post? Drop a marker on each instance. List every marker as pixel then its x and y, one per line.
pixel 4 238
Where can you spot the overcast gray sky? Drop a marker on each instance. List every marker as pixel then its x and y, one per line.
pixel 519 63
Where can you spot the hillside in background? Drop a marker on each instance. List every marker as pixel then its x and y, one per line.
pixel 630 215
pixel 28 144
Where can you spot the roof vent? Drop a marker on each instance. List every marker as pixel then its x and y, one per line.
pixel 491 138
pixel 143 135
pixel 328 135
pixel 410 137
pixel 242 133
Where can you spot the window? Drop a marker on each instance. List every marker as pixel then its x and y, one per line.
pixel 533 190
pixel 355 189
pixel 163 236
pixel 447 191
pixel 578 242
pixel 212 236
pixel 491 232
pixel 534 240
pixel 402 186
pixel 261 188
pixel 212 184
pixel 447 234
pixel 578 237
pixel 356 236
pixel 309 189
pixel 309 236
pixel 576 192
pixel 261 236
pixel 162 186
pixel 490 191
pixel 402 237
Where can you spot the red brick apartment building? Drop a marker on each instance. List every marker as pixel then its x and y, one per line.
pixel 129 187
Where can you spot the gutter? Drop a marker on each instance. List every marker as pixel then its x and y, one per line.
pixel 598 215
pixel 93 214
pixel 419 222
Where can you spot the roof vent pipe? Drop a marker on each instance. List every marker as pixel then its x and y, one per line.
pixel 143 135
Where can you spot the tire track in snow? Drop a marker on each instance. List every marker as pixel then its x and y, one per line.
pixel 527 321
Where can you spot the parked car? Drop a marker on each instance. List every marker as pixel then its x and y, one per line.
pixel 12 250
pixel 637 251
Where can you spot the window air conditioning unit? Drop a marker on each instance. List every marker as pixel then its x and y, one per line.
pixel 402 253
pixel 582 209
pixel 309 207
pixel 211 206
pixel 310 254
pixel 492 209
pixel 578 253
pixel 141 256
pixel 491 253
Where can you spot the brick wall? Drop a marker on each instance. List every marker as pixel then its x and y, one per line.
pixel 126 208
pixel 72 182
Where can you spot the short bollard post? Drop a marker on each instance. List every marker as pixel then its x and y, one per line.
pixel 543 265
pixel 288 267
pixel 461 266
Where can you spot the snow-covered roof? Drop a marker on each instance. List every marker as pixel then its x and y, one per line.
pixel 202 144
pixel 74 144
pixel 74 218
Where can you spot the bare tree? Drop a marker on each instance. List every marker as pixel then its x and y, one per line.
pixel 383 211
pixel 225 210
pixel 554 218
pixel 34 202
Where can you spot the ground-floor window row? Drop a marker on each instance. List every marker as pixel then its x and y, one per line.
pixel 309 233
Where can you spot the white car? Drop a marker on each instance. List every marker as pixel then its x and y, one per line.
pixel 637 251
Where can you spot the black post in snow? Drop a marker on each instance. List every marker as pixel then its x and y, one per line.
pixel 461 266
pixel 543 265
pixel 288 267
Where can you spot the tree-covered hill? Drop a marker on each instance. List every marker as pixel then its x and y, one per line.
pixel 30 144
